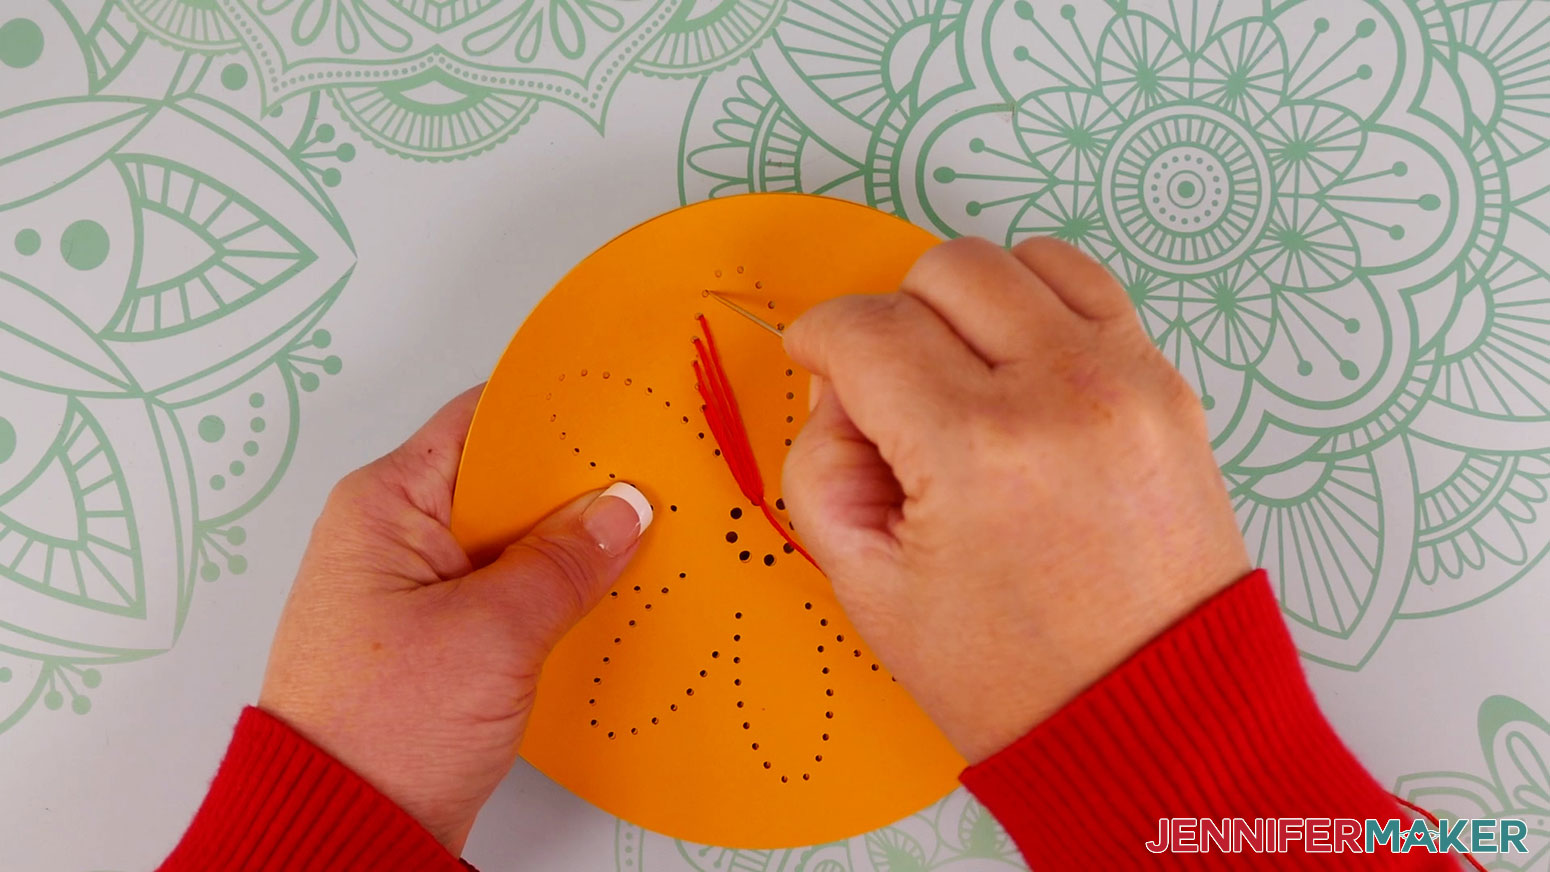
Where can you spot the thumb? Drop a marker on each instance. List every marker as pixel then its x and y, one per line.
pixel 550 578
pixel 840 492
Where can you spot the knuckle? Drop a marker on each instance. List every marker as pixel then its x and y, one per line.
pixel 1047 252
pixel 1036 247
pixel 1110 302
pixel 410 471
pixel 355 488
pixel 1164 414
pixel 1182 403
pixel 797 470
pixel 402 463
pixel 1165 384
pixel 1177 395
pixel 374 491
pixel 1089 399
pixel 949 257
pixel 875 321
pixel 969 247
pixel 566 564
pixel 830 331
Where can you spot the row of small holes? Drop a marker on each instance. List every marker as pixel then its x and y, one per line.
pixel 672 508
pixel 614 594
pixel 790 396
pixel 769 560
pixel 784 779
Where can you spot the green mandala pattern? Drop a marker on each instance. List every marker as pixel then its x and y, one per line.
pixel 1516 784
pixel 1319 209
pixel 166 264
pixel 447 79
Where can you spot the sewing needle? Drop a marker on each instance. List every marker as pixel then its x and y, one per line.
pixel 778 331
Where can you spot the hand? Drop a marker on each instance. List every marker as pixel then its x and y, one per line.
pixel 1009 487
pixel 408 664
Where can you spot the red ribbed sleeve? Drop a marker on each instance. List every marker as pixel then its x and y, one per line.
pixel 279 802
pixel 1212 719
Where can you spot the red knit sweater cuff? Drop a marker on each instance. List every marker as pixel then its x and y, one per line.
pixel 281 803
pixel 1212 719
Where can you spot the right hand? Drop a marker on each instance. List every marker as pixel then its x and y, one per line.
pixel 1010 488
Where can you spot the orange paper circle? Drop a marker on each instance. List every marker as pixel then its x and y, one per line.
pixel 717 694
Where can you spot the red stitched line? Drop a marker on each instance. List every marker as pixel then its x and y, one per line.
pixel 725 423
pixel 716 419
pixel 781 529
pixel 731 416
pixel 1434 822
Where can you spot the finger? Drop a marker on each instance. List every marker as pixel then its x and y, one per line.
pixel 424 468
pixel 549 579
pixel 840 492
pixel 988 296
pixel 898 369
pixel 1081 282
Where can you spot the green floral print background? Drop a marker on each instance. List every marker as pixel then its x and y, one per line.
pixel 1515 741
pixel 1329 216
pixel 1317 208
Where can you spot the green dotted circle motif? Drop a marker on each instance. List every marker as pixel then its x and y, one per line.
pixel 1187 190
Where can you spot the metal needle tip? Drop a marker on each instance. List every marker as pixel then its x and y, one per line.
pixel 777 330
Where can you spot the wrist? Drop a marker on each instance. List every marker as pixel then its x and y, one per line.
pixel 1036 667
pixel 1214 719
pixel 278 795
pixel 384 756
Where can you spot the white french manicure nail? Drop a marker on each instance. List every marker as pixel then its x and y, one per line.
pixel 637 500
pixel 617 518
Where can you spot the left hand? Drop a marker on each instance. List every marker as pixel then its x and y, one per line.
pixel 407 663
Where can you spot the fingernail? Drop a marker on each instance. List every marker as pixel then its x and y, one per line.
pixel 617 518
pixel 814 390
